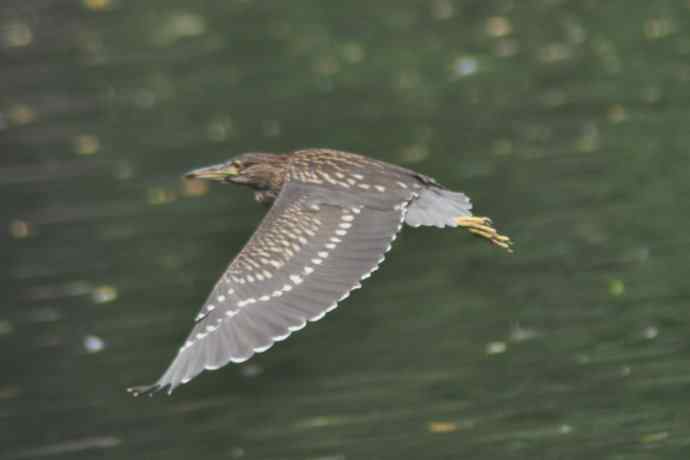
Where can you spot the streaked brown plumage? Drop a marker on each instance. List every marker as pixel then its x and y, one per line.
pixel 333 218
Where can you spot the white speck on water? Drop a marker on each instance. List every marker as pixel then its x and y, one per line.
pixel 565 429
pixel 251 370
pixel 466 66
pixel 495 348
pixel 6 327
pixel 582 358
pixel 522 334
pixel 104 294
pixel 16 35
pixel 93 344
pixel 650 332
pixel 179 25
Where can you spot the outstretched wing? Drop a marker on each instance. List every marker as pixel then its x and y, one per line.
pixel 312 248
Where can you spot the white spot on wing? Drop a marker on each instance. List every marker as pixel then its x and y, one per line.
pixel 298 326
pixel 279 338
pixel 318 317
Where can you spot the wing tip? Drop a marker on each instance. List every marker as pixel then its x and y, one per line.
pixel 149 390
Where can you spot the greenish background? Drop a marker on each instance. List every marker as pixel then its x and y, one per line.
pixel 567 121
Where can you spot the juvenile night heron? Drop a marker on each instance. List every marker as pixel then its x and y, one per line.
pixel 334 216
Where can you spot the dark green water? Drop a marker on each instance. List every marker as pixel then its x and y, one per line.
pixel 566 121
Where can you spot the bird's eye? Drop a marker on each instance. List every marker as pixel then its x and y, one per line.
pixel 233 168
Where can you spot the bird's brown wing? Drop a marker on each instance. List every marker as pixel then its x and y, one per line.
pixel 308 253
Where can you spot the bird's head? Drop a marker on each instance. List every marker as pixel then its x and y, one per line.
pixel 261 171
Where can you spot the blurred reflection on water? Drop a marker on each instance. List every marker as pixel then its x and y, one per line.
pixel 565 120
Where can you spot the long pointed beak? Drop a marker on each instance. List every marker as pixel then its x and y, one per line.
pixel 216 172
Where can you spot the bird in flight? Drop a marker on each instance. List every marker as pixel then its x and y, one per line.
pixel 333 217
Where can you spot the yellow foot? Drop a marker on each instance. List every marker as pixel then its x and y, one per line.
pixel 481 226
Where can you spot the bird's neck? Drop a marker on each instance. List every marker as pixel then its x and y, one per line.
pixel 267 177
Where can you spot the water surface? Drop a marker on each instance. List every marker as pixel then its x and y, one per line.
pixel 564 120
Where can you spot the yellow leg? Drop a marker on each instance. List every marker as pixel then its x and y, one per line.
pixel 481 226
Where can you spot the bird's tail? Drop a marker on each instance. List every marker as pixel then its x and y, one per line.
pixel 438 207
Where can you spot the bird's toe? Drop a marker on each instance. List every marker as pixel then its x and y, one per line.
pixel 482 226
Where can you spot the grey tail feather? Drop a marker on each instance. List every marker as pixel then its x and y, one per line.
pixel 438 207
